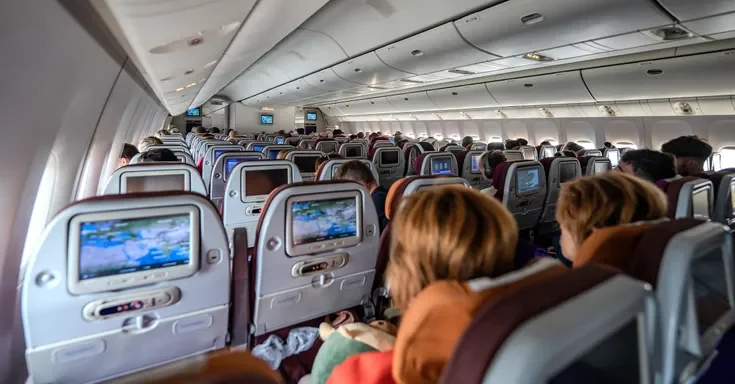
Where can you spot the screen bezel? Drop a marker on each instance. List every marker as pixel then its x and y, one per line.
pixel 398 158
pixel 260 198
pixel 324 245
pixel 310 113
pixel 599 163
pixel 477 156
pixel 533 191
pixel 168 172
pixel 273 119
pixel 357 147
pixel 327 142
pixel 443 159
pixel 76 286
pixel 300 155
pixel 576 174
pixel 706 192
pixel 194 109
pixel 226 175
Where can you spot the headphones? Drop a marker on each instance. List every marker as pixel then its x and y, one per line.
pixel 486 169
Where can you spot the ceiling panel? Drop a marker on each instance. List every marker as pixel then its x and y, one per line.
pixel 628 40
pixel 368 69
pixel 516 27
pixel 694 9
pixel 557 88
pixel 712 25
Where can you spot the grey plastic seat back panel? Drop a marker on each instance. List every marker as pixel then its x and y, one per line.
pixel 203 149
pixel 561 166
pixel 209 159
pixel 529 152
pixel 281 299
pixel 591 152
pixel 218 180
pixel 118 181
pixel 420 184
pixel 513 154
pixel 171 147
pixel 237 213
pixel 724 211
pixel 305 160
pixel 546 151
pixel 546 344
pixel 475 179
pixel 439 163
pixel 703 257
pixel 689 201
pixel 613 154
pixel 526 206
pixel 83 350
pixel 352 149
pixel 597 166
pixel 478 147
pixel 262 144
pixel 327 146
pixel 383 144
pixel 390 164
pixel 330 168
pixel 307 144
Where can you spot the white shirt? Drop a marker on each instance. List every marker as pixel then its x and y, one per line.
pixel 490 191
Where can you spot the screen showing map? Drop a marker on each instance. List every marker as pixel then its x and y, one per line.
pixel 527 180
pixel 231 162
pixel 353 151
pixel 311 116
pixel 266 119
pixel 389 158
pixel 263 182
pixel 476 163
pixel 306 164
pixel 155 183
pixel 441 166
pixel 321 220
pixel 117 247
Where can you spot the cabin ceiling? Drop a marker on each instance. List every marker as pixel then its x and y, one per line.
pixel 324 52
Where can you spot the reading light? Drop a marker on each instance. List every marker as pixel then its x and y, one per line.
pixel 606 110
pixel 417 53
pixel 671 33
pixel 191 85
pixel 532 19
pixel 179 89
pixel 537 57
pixel 501 114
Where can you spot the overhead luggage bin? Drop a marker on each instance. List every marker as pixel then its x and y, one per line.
pixel 468 96
pixel 256 79
pixel 691 76
pixel 305 51
pixel 687 10
pixel 368 70
pixel 410 102
pixel 328 81
pixel 713 25
pixel 517 27
pixel 431 51
pixel 369 106
pixel 556 88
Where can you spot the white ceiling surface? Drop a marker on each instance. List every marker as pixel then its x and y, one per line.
pixel 340 53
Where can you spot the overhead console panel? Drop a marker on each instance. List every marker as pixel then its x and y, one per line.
pixel 690 76
pixel 432 51
pixel 557 88
pixel 468 96
pixel 516 27
pixel 368 70
pixel 371 106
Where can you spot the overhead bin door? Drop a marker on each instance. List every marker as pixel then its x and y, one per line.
pixel 691 76
pixel 517 27
pixel 693 9
pixel 368 70
pixel 411 102
pixel 328 81
pixel 304 52
pixel 556 88
pixel 366 107
pixel 468 96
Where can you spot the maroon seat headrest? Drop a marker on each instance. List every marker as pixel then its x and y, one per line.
pixel 546 162
pixel 418 162
pixel 460 156
pixel 672 194
pixel 499 174
pixel 371 154
pixel 426 146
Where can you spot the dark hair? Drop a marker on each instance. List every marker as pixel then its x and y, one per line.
pixel 569 154
pixel 545 142
pixel 355 170
pixel 608 144
pixel 215 130
pixel 353 137
pixel 402 142
pixel 688 147
pixel 510 144
pixel 128 151
pixel 495 147
pixel 495 158
pixel 467 140
pixel 522 141
pixel 337 132
pixel 200 130
pixel 651 165
pixel 574 147
pixel 156 155
pixel 300 131
pixel 360 135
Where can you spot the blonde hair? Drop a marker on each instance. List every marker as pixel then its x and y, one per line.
pixel 610 199
pixel 147 142
pixel 448 233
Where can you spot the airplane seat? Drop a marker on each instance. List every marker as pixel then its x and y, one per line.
pixel 439 144
pixel 326 145
pixel 184 158
pixel 594 165
pixel 352 151
pixel 558 170
pixel 211 156
pixel 469 169
pixel 271 152
pixel 302 273
pixel 529 152
pixel 478 147
pixel 155 177
pixel 136 158
pixel 436 164
pixel 723 186
pixel 537 333
pixel 223 166
pixel 380 144
pixel 307 144
pixel 445 148
pixel 328 169
pixel 591 152
pixel 688 197
pixel 411 152
pixel 305 160
pixel 545 151
pixel 172 147
pixel 513 155
pixel 455 150
pixel 137 280
pixel 438 316
pixel 613 154
pixel 247 191
pixel 390 164
pixel 522 189
pixel 292 141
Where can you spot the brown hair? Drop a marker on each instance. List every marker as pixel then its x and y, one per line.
pixel 610 199
pixel 448 233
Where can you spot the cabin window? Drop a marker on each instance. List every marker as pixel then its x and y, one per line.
pixel 586 144
pixel 496 139
pixel 625 144
pixel 728 157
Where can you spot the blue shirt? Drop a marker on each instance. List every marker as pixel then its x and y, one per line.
pixel 379 196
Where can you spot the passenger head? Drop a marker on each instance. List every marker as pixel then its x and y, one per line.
pixel 608 144
pixel 327 157
pixel 402 142
pixel 522 141
pixel 488 162
pixel 611 199
pixel 148 142
pixel 691 152
pixel 573 147
pixel 127 154
pixel 495 146
pixel 448 233
pixel 215 130
pixel 545 142
pixel 372 136
pixel 162 132
pixel 300 131
pixel 356 170
pixel 510 144
pixel 352 137
pixel 200 130
pixel 156 155
pixel 467 140
pixel 338 132
pixel 648 165
pixel 360 135
pixel 568 154
pixel 232 133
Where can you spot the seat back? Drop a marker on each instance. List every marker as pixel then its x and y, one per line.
pixel 155 177
pixel 142 276
pixel 436 164
pixel 352 151
pixel 558 170
pixel 212 154
pixel 469 169
pixel 537 333
pixel 513 155
pixel 723 186
pixel 529 152
pixel 223 166
pixel 279 140
pixel 546 151
pixel 411 153
pixel 382 144
pixel 690 197
pixel 270 138
pixel 591 152
pixel 306 162
pixel 247 190
pixel 328 169
pixel 524 190
pixel 594 165
pixel 307 144
pixel 171 147
pixel 390 164
pixel 306 268
pixel 271 151
pixel 326 146
pixel 257 146
pixel 292 141
pixel 204 148
pixel 447 147
pixel 613 154
pixel 478 147
pixel 245 142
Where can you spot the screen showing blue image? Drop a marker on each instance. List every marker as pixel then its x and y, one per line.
pixel 280 140
pixel 266 119
pixel 321 220
pixel 528 180
pixel 118 247
pixel 311 116
pixel 196 112
pixel 273 154
pixel 258 147
pixel 441 166
pixel 219 152
pixel 476 163
pixel 233 161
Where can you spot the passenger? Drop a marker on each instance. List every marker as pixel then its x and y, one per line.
pixel 467 140
pixel 495 146
pixel 232 134
pixel 523 142
pixel 401 143
pixel 174 130
pixel 199 131
pixel 325 158
pixel 488 162
pixel 608 144
pixel 300 131
pixel 148 142
pixel 397 137
pixel 282 154
pixel 215 130
pixel 360 135
pixel 158 155
pixel 352 137
pixel 573 147
pixel 281 132
pixel 356 170
pixel 338 132
pixel 648 165
pixel 545 142
pixel 512 144
pixel 127 154
pixel 161 132
pixel 371 137
pixel 611 199
pixel 691 153
pixel 568 154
